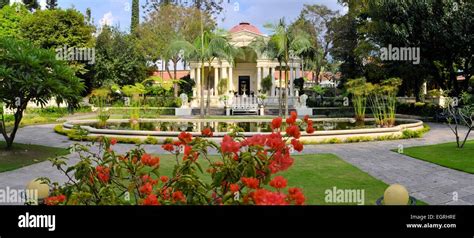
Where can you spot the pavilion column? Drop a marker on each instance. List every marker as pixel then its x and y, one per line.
pixel 231 80
pixel 198 82
pixel 225 76
pixel 216 80
pixel 259 78
pixel 298 72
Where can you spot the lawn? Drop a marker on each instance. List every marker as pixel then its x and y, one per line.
pixel 446 155
pixel 23 155
pixel 316 173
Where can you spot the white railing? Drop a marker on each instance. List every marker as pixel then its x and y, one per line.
pixel 244 104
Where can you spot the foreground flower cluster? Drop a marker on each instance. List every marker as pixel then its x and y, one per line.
pixel 243 172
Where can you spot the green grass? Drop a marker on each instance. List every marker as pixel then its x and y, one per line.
pixel 446 155
pixel 314 174
pixel 22 155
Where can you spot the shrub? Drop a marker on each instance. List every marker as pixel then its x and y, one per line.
pixel 239 175
pixel 151 140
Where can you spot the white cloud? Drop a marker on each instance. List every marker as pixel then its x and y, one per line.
pixel 42 4
pixel 107 19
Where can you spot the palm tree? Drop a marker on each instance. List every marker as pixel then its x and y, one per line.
pixel 288 44
pixel 205 49
pixel 268 49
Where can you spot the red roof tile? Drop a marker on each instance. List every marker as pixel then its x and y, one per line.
pixel 245 26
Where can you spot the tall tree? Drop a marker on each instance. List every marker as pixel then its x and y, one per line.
pixel 135 15
pixel 4 3
pixel 51 4
pixel 319 19
pixel 289 44
pixel 10 18
pixel 206 48
pixel 31 4
pixel 211 7
pixel 119 60
pixel 32 74
pixel 170 23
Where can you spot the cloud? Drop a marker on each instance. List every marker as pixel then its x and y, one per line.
pixel 42 4
pixel 107 19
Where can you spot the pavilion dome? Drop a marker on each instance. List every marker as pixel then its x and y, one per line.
pixel 245 26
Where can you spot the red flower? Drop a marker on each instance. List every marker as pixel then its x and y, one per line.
pixel 113 141
pixel 151 199
pixel 147 188
pixel 290 121
pixel 190 154
pixel 207 132
pixel 293 115
pixel 297 145
pixel 275 141
pixel 276 123
pixel 310 129
pixel 185 137
pixel 293 131
pixel 148 179
pixel 228 145
pixel 306 118
pixel 164 179
pixel 168 147
pixel 178 196
pixel 256 140
pixel 265 197
pixel 251 182
pixel 234 188
pixel 278 182
pixel 147 159
pixel 103 173
pixel 281 161
pixel 296 195
pixel 54 200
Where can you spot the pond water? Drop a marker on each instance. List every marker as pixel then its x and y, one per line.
pixel 247 126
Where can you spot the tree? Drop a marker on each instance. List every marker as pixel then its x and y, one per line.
pixel 31 74
pixel 167 24
pixel 57 28
pixel 205 49
pixel 10 18
pixel 269 49
pixel 288 44
pixel 211 7
pixel 118 59
pixel 51 4
pixel 31 4
pixel 135 15
pixel 4 3
pixel 316 20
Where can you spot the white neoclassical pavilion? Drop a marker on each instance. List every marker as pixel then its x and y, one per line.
pixel 245 74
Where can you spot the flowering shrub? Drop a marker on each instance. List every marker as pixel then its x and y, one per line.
pixel 242 173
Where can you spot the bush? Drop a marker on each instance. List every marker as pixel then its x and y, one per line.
pixel 240 174
pixel 419 109
pixel 151 140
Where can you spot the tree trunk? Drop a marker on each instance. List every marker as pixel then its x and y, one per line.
pixel 176 86
pixel 286 92
pixel 201 103
pixel 280 95
pixel 9 139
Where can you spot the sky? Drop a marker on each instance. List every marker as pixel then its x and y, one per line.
pixel 257 12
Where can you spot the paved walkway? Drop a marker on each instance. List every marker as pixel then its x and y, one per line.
pixel 431 183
